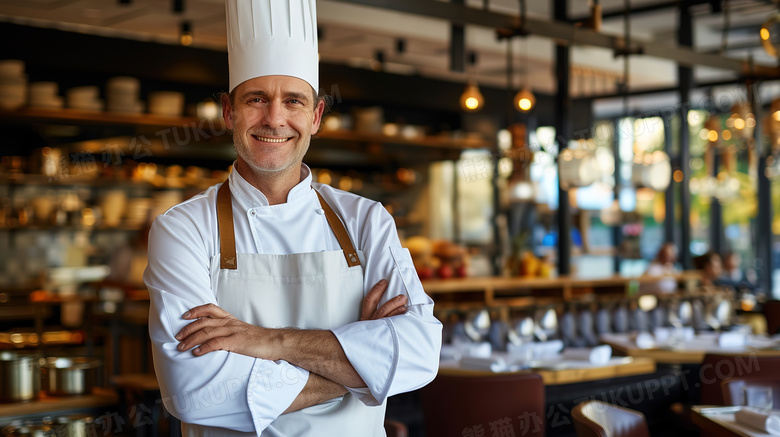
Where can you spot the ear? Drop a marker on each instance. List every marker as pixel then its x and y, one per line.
pixel 227 111
pixel 319 109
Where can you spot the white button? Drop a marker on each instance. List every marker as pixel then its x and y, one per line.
pixel 252 212
pixel 320 211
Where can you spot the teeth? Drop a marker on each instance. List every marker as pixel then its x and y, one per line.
pixel 271 140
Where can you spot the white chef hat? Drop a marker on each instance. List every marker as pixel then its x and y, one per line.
pixel 272 37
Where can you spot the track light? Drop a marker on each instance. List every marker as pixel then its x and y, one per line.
pixel 178 6
pixel 185 37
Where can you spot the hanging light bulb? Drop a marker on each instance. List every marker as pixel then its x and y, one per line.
pixel 185 37
pixel 524 100
pixel 471 100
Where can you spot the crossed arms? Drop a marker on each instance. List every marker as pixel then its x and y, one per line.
pixel 317 351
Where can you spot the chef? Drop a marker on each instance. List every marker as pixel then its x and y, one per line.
pixel 279 306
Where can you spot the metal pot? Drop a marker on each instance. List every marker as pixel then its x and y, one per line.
pixel 20 376
pixel 77 425
pixel 69 376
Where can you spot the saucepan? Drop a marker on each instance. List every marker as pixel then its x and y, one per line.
pixel 20 377
pixel 64 376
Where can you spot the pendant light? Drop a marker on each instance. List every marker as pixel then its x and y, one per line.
pixel 185 36
pixel 472 100
pixel 524 100
pixel 770 35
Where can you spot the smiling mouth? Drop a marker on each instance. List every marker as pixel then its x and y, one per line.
pixel 271 140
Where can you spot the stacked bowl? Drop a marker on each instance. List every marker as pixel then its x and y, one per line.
pixel 44 95
pixel 85 98
pixel 122 94
pixel 13 84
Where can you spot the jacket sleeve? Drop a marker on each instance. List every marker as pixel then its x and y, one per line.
pixel 396 354
pixel 219 389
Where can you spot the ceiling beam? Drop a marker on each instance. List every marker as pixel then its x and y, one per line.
pixel 565 34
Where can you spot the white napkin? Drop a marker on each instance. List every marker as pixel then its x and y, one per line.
pixel 488 364
pixel 661 334
pixel 536 351
pixel 479 350
pixel 644 340
pixel 599 355
pixel 449 352
pixel 685 333
pixel 732 339
pixel 767 422
pixel 743 329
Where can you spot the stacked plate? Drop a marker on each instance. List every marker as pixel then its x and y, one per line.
pixel 168 103
pixel 122 94
pixel 13 84
pixel 137 212
pixel 44 95
pixel 85 98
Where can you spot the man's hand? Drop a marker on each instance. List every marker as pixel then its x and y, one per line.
pixel 392 307
pixel 216 329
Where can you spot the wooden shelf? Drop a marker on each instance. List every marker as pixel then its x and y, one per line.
pixel 441 142
pixel 69 115
pixel 99 398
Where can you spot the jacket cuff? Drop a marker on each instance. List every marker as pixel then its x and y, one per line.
pixel 272 388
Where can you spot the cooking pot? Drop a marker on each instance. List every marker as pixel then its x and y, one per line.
pixel 75 425
pixel 20 377
pixel 64 376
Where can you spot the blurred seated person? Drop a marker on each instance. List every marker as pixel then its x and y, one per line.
pixel 710 266
pixel 662 265
pixel 734 276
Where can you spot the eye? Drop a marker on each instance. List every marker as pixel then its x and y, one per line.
pixel 295 102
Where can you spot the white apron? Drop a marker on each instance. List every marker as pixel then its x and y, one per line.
pixel 319 290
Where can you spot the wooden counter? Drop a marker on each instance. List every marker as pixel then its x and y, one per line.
pixel 497 291
pixel 632 366
pixel 722 424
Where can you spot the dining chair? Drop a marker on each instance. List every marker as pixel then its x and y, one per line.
pixel 771 310
pixel 600 419
pixel 395 429
pixel 455 405
pixel 732 389
pixel 717 368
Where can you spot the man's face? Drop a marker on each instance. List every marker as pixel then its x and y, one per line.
pixel 273 118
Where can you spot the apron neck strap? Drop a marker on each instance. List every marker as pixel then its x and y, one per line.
pixel 227 236
pixel 350 254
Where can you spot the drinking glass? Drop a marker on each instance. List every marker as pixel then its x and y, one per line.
pixel 757 396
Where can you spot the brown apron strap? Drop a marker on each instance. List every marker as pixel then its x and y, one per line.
pixel 227 236
pixel 341 233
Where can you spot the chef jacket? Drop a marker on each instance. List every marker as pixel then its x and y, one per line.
pixel 223 389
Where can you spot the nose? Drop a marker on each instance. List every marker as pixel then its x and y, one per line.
pixel 273 115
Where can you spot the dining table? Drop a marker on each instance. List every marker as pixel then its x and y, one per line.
pixel 719 421
pixel 690 350
pixel 557 371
